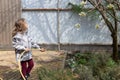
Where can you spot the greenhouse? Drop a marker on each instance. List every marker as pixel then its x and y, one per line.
pixel 59 39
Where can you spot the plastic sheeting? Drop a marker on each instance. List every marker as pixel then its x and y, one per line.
pixel 47 3
pixel 43 25
pixel 86 33
pixel 39 3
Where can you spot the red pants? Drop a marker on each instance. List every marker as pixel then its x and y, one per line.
pixel 27 66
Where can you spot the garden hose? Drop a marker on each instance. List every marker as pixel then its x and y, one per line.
pixel 1 78
pixel 19 64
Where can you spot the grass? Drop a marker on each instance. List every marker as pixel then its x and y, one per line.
pixel 87 66
pixel 56 74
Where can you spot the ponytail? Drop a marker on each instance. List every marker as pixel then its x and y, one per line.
pixel 18 27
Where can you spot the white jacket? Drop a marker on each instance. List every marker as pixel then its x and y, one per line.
pixel 22 41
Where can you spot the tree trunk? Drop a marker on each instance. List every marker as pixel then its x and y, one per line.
pixel 115 47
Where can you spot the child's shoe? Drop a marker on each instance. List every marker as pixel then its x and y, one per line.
pixel 23 79
pixel 27 75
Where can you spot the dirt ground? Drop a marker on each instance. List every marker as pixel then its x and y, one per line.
pixel 9 67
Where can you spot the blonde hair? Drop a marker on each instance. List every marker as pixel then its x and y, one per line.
pixel 19 26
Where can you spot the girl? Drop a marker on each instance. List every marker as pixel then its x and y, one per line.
pixel 22 42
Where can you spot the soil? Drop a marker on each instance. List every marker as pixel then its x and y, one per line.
pixel 9 67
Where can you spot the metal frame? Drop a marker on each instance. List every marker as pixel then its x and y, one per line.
pixel 45 9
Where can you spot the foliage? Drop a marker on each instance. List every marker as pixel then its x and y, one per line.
pixel 84 72
pixel 76 8
pixel 91 66
pixel 80 9
pixel 84 66
pixel 56 74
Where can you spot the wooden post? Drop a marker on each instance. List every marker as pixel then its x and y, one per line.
pixel 58 26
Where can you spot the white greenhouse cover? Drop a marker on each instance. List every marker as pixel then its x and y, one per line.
pixel 43 24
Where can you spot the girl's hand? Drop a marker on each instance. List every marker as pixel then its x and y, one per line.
pixel 42 49
pixel 27 49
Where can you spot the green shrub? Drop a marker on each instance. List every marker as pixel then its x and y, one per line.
pixel 84 72
pixel 84 66
pixel 99 66
pixel 111 63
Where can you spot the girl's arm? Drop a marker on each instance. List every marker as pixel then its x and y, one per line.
pixel 38 47
pixel 35 45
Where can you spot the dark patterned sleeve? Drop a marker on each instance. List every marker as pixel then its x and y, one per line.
pixel 17 44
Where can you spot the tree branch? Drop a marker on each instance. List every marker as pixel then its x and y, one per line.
pixel 102 11
pixel 118 3
pixel 115 21
pixel 113 17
